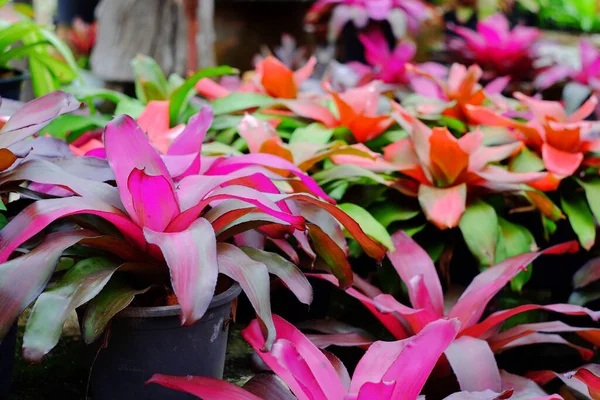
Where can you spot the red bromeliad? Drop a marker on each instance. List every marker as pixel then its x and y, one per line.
pixel 461 89
pixel 477 340
pixel 564 142
pixel 496 48
pixel 390 66
pixel 357 110
pixel 445 168
pixel 272 78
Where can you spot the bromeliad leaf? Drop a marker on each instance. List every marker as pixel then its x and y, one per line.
pixel 314 133
pixel 369 224
pixel 389 212
pixel 114 297
pixel 240 102
pixel 580 217
pixel 514 239
pixel 180 97
pixel 192 259
pixel 150 82
pixel 23 278
pixel 79 285
pixel 479 226
pixel 253 277
pixel 289 273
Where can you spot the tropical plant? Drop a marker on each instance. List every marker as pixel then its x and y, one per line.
pixel 388 370
pixel 471 355
pixel 402 15
pixel 51 62
pixel 153 217
pixel 499 50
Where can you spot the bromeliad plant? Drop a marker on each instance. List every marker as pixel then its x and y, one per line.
pixel 173 237
pixel 388 370
pixel 404 16
pixel 470 355
pixel 499 50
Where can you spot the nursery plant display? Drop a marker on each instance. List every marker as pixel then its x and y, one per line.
pixel 437 223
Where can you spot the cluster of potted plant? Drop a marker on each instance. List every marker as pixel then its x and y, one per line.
pixel 398 190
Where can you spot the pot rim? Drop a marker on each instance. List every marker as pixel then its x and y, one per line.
pixel 19 76
pixel 168 311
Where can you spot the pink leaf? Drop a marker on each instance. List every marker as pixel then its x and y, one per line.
pixel 312 110
pixel 253 277
pixel 40 214
pixel 474 364
pixel 121 136
pixel 154 201
pixel 192 259
pixel 585 110
pixel 246 194
pixel 305 72
pixel 375 363
pixel 414 365
pixel 48 173
pixel 484 287
pixel 191 139
pixel 410 261
pixel 587 274
pixel 491 323
pixel 321 368
pixel 203 387
pixel 288 356
pixel 229 165
pixel 22 279
pixel 35 115
pixel 256 132
pixel 443 206
pixel 210 89
pixel 560 162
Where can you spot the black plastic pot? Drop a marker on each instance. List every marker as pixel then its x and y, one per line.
pixel 147 340
pixel 10 87
pixel 7 359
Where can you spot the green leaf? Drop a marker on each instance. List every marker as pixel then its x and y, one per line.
pixel 19 52
pixel 453 124
pixel 129 106
pixel 62 49
pixel 150 82
pixel 181 96
pixel 387 137
pixel 113 298
pixel 85 93
pixel 2 206
pixel 389 212
pixel 479 227
pixel 347 172
pixel 61 126
pixel 174 82
pixel 11 34
pixel 3 220
pixel 582 297
pixel 368 224
pixel 42 80
pixel 240 102
pixel 59 69
pixel 79 285
pixel 580 217
pixel 526 161
pixel 592 193
pixel 514 239
pixel 314 133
